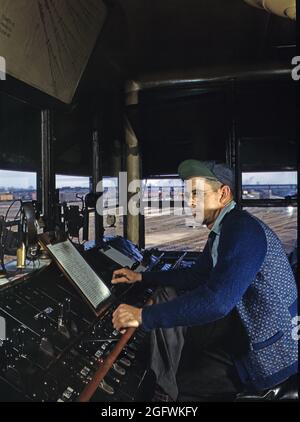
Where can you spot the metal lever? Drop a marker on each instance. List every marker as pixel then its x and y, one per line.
pixel 125 362
pixel 118 369
pixel 129 354
pixel 46 347
pixel 61 322
pixel 61 316
pixel 106 387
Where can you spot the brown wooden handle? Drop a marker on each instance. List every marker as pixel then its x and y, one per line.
pixel 105 365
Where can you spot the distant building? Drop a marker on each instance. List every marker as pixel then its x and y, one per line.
pixel 6 196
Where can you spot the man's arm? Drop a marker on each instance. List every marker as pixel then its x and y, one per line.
pixel 185 279
pixel 242 249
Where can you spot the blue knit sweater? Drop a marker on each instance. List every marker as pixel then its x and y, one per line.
pixel 253 275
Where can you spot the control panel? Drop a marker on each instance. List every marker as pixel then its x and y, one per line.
pixel 53 348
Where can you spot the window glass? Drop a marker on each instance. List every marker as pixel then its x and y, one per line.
pixel 15 186
pixel 269 185
pixel 73 188
pixel 72 191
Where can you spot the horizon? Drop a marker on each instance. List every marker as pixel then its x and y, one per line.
pixel 27 180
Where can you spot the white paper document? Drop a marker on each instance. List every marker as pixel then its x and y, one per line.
pixel 118 257
pixel 91 285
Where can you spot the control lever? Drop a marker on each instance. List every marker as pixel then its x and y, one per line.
pixel 61 315
pixel 22 341
pixel 111 377
pixel 61 321
pixel 68 306
pixel 13 375
pixel 118 369
pixel 5 351
pixel 71 324
pixel 132 346
pixel 43 321
pixel 125 362
pixel 106 387
pixel 46 347
pixel 129 354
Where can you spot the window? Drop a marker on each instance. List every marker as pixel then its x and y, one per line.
pixel 278 189
pixel 72 191
pixel 71 188
pixel 15 186
pixel 269 185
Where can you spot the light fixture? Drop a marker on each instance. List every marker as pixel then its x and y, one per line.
pixel 284 8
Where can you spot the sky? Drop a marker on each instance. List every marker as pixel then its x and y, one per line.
pixel 24 180
pixel 17 179
pixel 274 178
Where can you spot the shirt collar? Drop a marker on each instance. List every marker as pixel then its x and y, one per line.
pixel 216 228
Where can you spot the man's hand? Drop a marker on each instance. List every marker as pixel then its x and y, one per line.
pixel 127 316
pixel 124 275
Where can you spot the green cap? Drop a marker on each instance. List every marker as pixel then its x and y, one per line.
pixel 207 169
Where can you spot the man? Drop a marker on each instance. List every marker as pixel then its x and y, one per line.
pixel 240 294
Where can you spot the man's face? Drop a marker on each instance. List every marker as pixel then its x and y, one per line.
pixel 203 200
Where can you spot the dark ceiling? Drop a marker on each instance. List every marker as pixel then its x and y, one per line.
pixel 142 36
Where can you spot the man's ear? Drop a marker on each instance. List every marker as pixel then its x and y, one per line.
pixel 225 193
